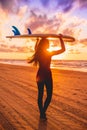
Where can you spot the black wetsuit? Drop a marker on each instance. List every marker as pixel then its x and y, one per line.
pixel 44 78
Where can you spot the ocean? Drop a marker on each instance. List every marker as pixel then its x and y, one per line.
pixel 75 65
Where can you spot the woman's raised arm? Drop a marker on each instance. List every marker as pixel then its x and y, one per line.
pixel 62 47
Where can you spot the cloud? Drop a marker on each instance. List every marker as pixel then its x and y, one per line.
pixel 41 23
pixel 45 3
pixel 84 41
pixel 13 6
pixel 4 48
pixel 9 6
pixel 65 5
pixel 82 3
pixel 13 48
pixel 38 23
pixel 74 51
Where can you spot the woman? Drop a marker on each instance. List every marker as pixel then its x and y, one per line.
pixel 42 57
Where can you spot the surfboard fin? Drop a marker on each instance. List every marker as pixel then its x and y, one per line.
pixel 15 31
pixel 29 31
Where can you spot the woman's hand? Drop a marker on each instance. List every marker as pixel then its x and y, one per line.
pixel 37 40
pixel 60 35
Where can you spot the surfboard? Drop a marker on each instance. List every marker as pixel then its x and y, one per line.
pixel 17 34
pixel 65 37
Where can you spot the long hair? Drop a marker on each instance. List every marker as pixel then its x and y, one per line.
pixel 39 48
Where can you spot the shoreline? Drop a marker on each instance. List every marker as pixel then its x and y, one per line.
pixel 52 68
pixel 75 65
pixel 18 100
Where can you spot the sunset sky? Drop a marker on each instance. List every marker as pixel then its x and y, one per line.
pixel 68 17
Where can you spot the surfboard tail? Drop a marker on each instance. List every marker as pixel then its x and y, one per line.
pixel 29 31
pixel 16 31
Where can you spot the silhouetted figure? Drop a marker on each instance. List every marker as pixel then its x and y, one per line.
pixel 42 57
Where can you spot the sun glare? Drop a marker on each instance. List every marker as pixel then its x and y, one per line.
pixel 49 49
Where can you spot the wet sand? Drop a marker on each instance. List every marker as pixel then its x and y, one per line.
pixel 18 100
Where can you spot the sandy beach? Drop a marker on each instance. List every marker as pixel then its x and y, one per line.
pixel 18 100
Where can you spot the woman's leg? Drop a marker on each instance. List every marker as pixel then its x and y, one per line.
pixel 40 96
pixel 49 90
